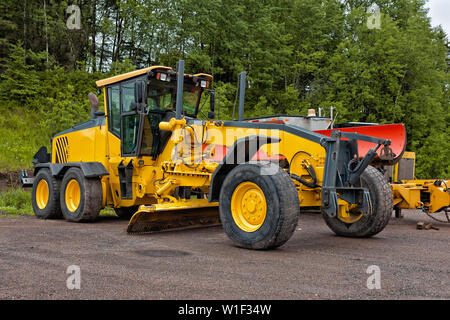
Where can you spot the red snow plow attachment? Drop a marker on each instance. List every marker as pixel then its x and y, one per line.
pixel 394 132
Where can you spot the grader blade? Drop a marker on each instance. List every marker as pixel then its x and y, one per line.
pixel 162 217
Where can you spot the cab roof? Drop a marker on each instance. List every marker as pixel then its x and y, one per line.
pixel 132 74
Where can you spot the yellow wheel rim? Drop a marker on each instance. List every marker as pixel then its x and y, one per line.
pixel 349 213
pixel 248 206
pixel 42 194
pixel 73 195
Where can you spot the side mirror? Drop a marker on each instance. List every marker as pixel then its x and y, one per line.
pixel 212 105
pixel 99 114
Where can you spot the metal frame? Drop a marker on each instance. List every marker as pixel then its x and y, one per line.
pixel 339 180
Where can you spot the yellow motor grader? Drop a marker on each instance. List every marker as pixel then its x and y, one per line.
pixel 150 158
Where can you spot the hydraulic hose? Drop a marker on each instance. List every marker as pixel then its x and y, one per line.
pixel 310 184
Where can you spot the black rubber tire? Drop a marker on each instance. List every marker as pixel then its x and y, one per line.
pixel 91 195
pixel 126 213
pixel 53 208
pixel 382 203
pixel 283 208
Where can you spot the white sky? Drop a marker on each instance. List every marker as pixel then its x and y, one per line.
pixel 440 14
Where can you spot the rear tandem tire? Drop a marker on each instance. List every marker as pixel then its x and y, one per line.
pixel 382 204
pixel 80 197
pixel 264 211
pixel 45 195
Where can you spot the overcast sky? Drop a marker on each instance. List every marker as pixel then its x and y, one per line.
pixel 440 14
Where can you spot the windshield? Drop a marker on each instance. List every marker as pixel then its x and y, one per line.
pixel 162 96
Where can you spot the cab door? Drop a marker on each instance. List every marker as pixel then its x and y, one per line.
pixel 125 134
pixel 130 120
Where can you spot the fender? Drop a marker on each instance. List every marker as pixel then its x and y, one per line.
pixel 241 151
pixel 89 169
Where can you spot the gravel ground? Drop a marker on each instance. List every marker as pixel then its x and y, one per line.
pixel 203 263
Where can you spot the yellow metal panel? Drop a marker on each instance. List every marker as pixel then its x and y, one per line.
pixel 204 75
pixel 219 136
pixel 132 74
pixel 409 196
pixel 82 145
pixel 309 197
pixel 409 155
pixel 106 106
pixel 128 75
pixel 439 197
pixel 395 172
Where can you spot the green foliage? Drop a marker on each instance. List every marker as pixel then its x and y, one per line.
pixel 108 212
pixel 43 103
pixel 18 82
pixel 298 54
pixel 16 201
pixel 20 137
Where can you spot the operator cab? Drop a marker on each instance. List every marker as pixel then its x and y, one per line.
pixel 138 101
pixel 162 93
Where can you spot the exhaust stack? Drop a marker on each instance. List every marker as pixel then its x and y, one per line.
pixel 180 82
pixel 242 76
pixel 93 100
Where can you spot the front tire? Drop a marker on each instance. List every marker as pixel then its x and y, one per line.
pixel 382 204
pixel 258 211
pixel 45 195
pixel 80 197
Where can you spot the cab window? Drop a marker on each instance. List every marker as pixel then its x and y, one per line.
pixel 114 109
pixel 127 96
pixel 130 119
pixel 162 97
pixel 130 130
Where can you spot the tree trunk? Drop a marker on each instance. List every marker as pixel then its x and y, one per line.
pixel 25 30
pixel 46 30
pixel 94 34
pixel 115 36
pixel 102 52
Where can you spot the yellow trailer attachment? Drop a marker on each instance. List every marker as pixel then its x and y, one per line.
pixel 428 195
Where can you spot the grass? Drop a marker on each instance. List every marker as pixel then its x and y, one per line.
pixel 108 212
pixel 17 201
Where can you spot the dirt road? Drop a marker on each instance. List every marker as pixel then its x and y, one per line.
pixel 203 263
